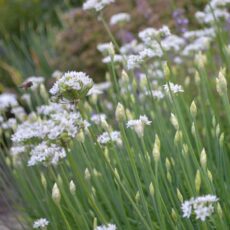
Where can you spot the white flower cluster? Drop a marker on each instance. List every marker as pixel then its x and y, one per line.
pixel 138 125
pixel 98 118
pixel 46 154
pixel 119 18
pixel 174 88
pixel 202 207
pixel 40 223
pixel 7 100
pixel 106 138
pixel 71 86
pixel 58 126
pixel 216 9
pixel 97 5
pixel 107 227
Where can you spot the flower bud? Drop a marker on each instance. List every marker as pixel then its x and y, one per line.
pixel 151 189
pixel 178 137
pixel 179 195
pixel 221 140
pixel 200 60
pixel 124 76
pixel 120 112
pixel 111 50
pixel 219 210
pixel 193 129
pixel 221 83
pixel 117 174
pixel 193 110
pixel 174 121
pixel 156 149
pixel 166 71
pixel 87 174
pixel 72 187
pixel 167 164
pixel 56 195
pixel 203 158
pixel 209 175
pixel 197 78
pixel 169 177
pixel 43 92
pixel 43 181
pixel 137 197
pixel 197 181
pixel 174 215
pixel 218 130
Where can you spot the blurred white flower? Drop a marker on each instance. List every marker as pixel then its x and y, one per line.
pixel 106 227
pixel 7 100
pixel 40 223
pixel 119 18
pixel 97 5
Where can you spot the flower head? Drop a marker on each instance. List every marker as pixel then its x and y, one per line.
pixel 40 223
pixel 97 5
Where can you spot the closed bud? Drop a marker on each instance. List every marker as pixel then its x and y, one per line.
pixel 93 191
pixel 209 175
pixel 203 158
pixel 43 92
pixel 137 197
pixel 129 114
pixel 59 180
pixel 43 181
pixel 80 136
pixel 219 210
pixel 217 130
pixel 193 129
pixel 197 78
pixel 106 153
pixel 167 164
pixel 174 121
pixel 87 174
pixel 156 148
pixel 193 109
pixel 151 189
pixel 178 137
pixel 72 187
pixel 197 181
pixel 166 71
pixel 117 174
pixel 120 112
pixel 104 124
pixel 221 83
pixel 94 223
pixel 174 215
pixel 124 76
pixel 96 173
pixel 200 60
pixel 185 149
pixel 221 140
pixel 56 195
pixel 187 81
pixel 111 49
pixel 169 177
pixel 179 195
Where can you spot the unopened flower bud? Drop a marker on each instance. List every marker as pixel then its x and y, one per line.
pixel 124 76
pixel 221 140
pixel 72 187
pixel 137 197
pixel 151 189
pixel 197 78
pixel 120 112
pixel 80 136
pixel 178 137
pixel 167 164
pixel 197 181
pixel 218 130
pixel 117 174
pixel 87 174
pixel 166 71
pixel 200 60
pixel 179 195
pixel 193 129
pixel 56 195
pixel 156 149
pixel 174 215
pixel 209 175
pixel 203 158
pixel 174 121
pixel 221 83
pixel 193 109
pixel 43 181
pixel 169 177
pixel 111 50
pixel 44 93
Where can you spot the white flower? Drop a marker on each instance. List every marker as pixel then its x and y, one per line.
pixel 11 123
pixel 202 207
pixel 116 59
pixel 118 18
pixel 57 74
pixel 186 209
pixel 158 94
pixel 16 150
pixel 106 138
pixel 134 61
pixel 174 88
pixel 71 86
pixel 97 5
pixel 148 34
pixel 7 100
pixel 138 125
pixel 40 223
pixel 98 118
pixel 107 227
pixel 46 154
pixel 104 47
